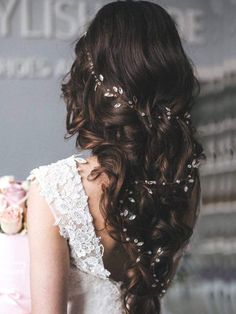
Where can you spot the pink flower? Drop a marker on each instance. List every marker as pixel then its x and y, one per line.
pixel 3 203
pixel 11 221
pixel 11 214
pixel 5 181
pixel 15 194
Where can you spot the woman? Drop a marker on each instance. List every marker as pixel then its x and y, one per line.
pixel 126 205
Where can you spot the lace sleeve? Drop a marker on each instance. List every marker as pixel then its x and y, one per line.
pixel 46 178
pixel 61 186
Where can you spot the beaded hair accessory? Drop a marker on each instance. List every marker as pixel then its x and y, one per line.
pixel 115 92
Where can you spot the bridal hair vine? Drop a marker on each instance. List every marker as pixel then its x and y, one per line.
pixel 117 91
pixel 186 181
pixel 154 256
pixel 164 112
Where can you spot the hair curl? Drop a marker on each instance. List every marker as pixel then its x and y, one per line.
pixel 136 45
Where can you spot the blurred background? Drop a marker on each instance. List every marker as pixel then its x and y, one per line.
pixel 37 50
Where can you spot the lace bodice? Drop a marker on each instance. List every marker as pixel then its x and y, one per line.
pixel 61 186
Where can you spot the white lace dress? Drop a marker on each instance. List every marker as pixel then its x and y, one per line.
pixel 91 291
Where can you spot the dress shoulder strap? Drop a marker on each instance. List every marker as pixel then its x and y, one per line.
pixel 60 184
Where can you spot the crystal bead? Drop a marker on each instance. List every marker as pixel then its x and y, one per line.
pixel 195 163
pixel 115 89
pixel 185 188
pixel 135 240
pixel 138 259
pixel 126 212
pixel 140 243
pixel 132 217
pixel 101 77
pixel 152 182
pixel 132 200
pixel 108 94
pixel 187 115
pixel 117 105
pixel 120 90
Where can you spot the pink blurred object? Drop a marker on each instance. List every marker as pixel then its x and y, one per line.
pixel 14 274
pixel 15 194
pixel 11 221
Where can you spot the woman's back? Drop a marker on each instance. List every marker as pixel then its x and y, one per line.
pixel 114 255
pixel 96 261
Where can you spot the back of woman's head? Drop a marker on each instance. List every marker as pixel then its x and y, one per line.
pixel 129 94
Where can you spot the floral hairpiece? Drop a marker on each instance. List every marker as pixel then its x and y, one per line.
pixel 117 91
pixel 186 181
pixel 129 215
pixel 155 256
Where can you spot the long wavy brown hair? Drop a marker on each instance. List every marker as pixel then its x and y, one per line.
pixel 136 45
